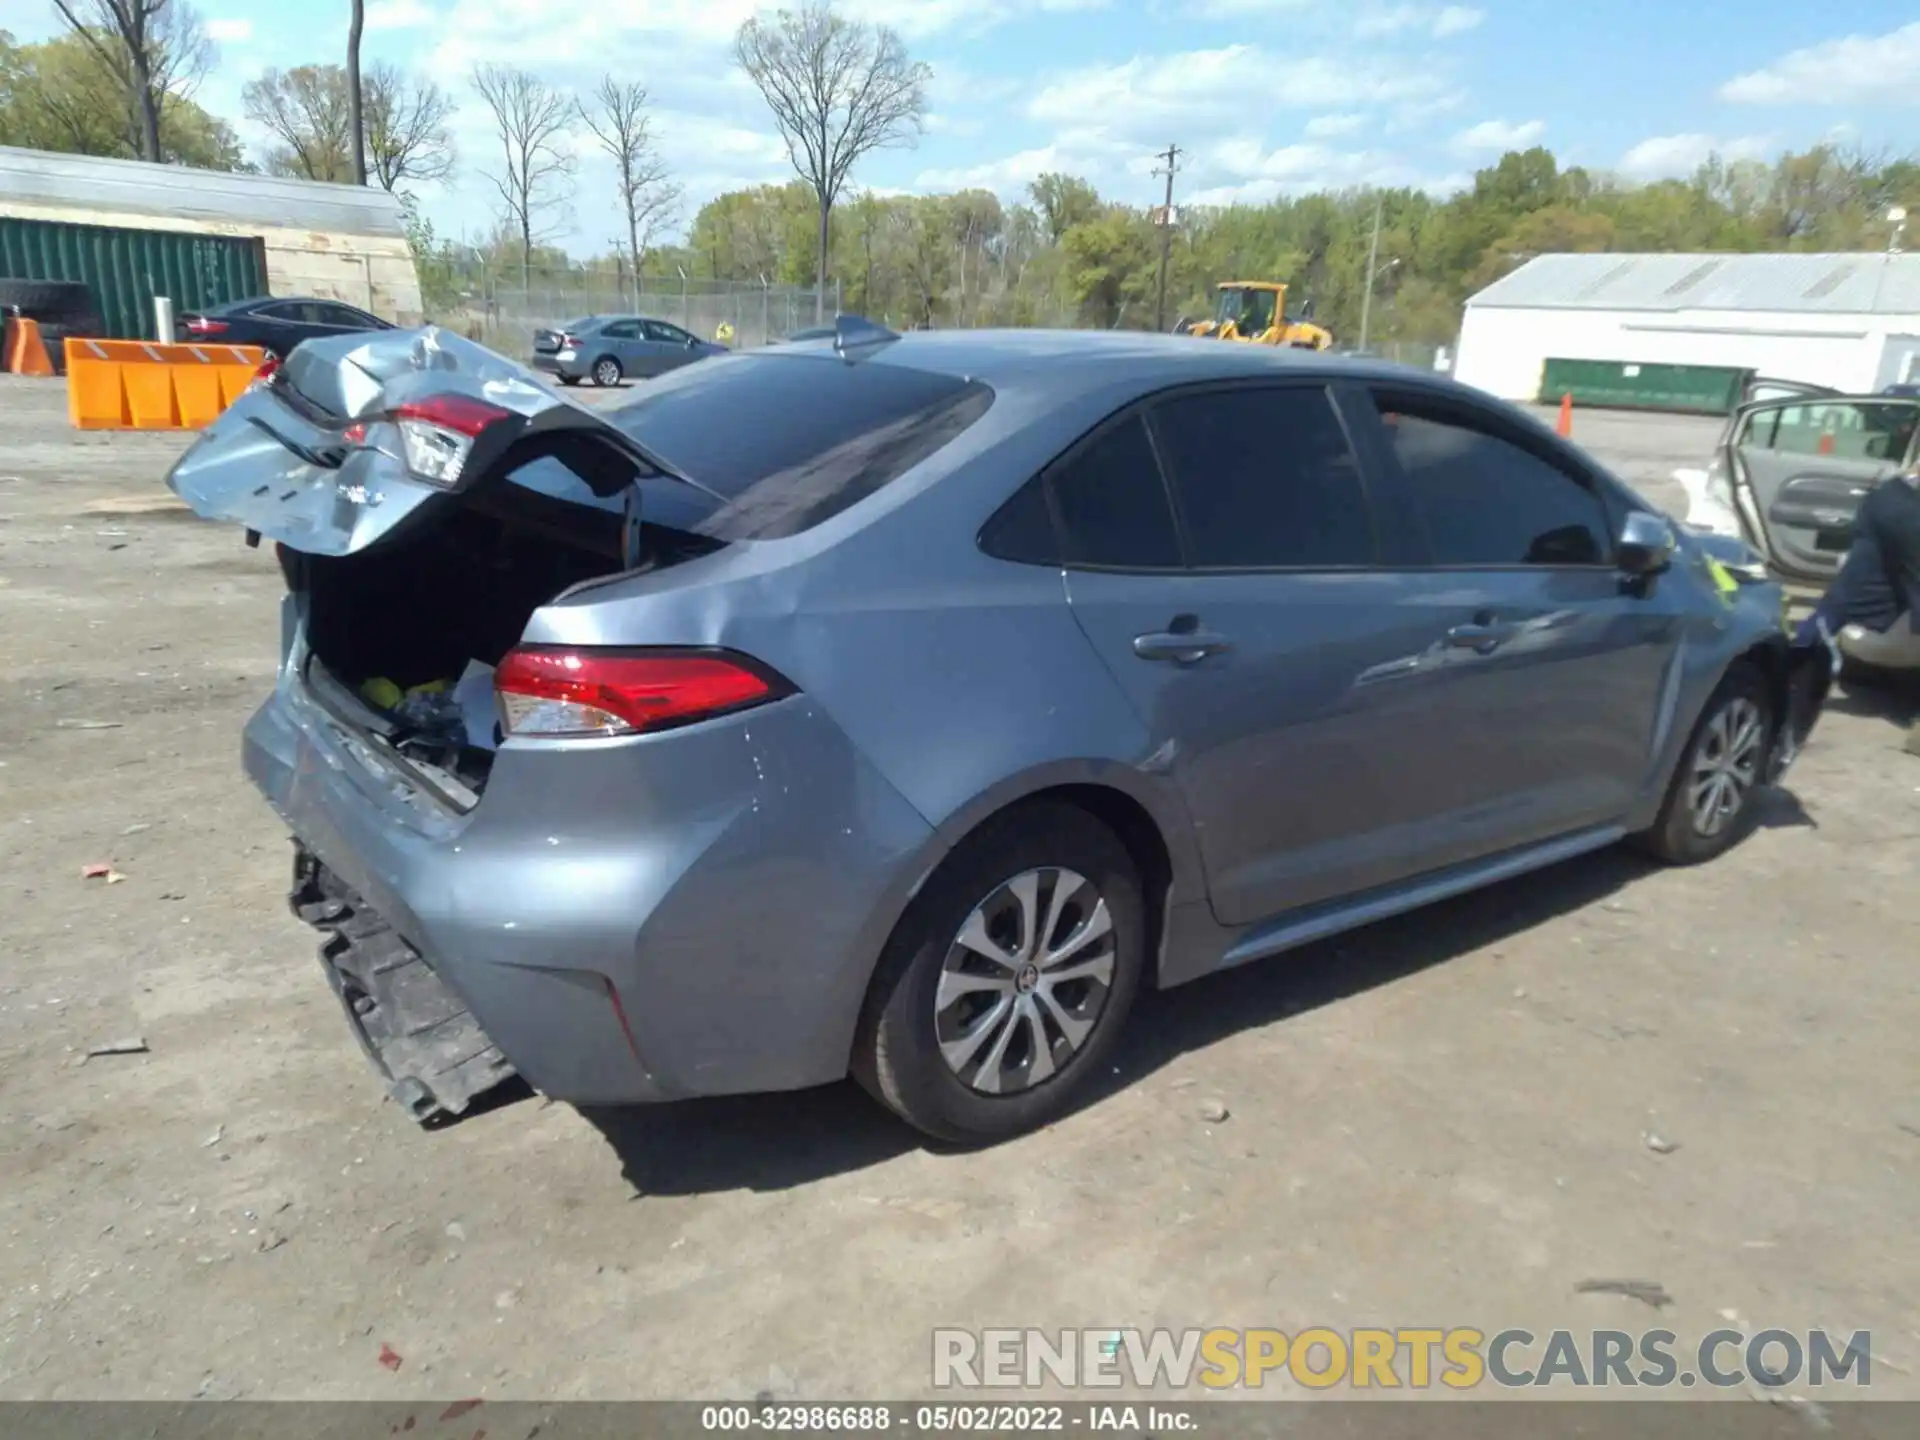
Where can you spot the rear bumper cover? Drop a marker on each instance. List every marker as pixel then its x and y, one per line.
pixel 730 884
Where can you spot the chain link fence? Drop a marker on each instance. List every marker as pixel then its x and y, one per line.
pixel 503 309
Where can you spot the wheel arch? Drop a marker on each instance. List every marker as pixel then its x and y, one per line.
pixel 1150 823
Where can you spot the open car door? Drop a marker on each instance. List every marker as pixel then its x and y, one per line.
pixel 356 436
pixel 1798 470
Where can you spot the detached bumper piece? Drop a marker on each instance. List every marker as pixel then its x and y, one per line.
pixel 426 1043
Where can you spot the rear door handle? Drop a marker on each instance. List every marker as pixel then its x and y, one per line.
pixel 1182 647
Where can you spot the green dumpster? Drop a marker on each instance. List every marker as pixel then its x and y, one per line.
pixel 1638 385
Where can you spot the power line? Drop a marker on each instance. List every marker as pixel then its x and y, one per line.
pixel 1171 158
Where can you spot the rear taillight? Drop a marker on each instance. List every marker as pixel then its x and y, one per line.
pixel 263 377
pixel 554 692
pixel 567 342
pixel 201 325
pixel 438 433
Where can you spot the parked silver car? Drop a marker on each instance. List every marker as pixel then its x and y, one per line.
pixel 610 348
pixel 978 681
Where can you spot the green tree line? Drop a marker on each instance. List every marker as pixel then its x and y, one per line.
pixel 1063 253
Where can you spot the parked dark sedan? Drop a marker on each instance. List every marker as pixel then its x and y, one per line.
pixel 612 348
pixel 275 324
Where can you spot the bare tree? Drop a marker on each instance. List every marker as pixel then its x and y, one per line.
pixel 407 136
pixel 306 110
pixel 533 121
pixel 619 121
pixel 838 89
pixel 151 47
pixel 356 110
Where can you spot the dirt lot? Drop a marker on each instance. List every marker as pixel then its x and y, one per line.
pixel 1438 1121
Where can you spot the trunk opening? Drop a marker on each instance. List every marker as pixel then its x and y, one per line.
pixel 401 624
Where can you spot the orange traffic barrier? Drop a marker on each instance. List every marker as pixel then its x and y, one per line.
pixel 1565 427
pixel 26 352
pixel 142 385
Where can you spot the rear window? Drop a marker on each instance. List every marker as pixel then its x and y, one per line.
pixel 786 443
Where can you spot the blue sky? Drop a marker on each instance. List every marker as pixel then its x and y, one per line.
pixel 1267 96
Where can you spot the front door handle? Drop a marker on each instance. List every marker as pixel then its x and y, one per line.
pixel 1483 638
pixel 1182 647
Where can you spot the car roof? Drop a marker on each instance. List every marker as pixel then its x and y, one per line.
pixel 242 307
pixel 1066 363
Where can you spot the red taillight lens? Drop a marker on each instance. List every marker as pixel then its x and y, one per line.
pixel 438 433
pixel 560 692
pixel 269 367
pixel 567 342
pixel 201 325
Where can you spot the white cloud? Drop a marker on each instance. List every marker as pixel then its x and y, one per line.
pixel 398 15
pixel 1214 91
pixel 1232 9
pixel 1376 21
pixel 1328 126
pixel 1668 156
pixel 1491 135
pixel 1456 19
pixel 231 31
pixel 1852 70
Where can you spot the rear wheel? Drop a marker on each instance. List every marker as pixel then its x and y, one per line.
pixel 569 379
pixel 1710 803
pixel 1006 985
pixel 606 372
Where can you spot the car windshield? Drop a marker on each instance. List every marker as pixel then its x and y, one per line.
pixel 830 435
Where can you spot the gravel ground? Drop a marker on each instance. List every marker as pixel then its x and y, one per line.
pixel 1439 1121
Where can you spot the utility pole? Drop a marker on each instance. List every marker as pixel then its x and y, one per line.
pixel 356 115
pixel 1171 155
pixel 1373 255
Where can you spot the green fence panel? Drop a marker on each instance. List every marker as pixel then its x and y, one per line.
pixel 1637 385
pixel 128 268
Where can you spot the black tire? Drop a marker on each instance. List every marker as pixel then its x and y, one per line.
pixel 898 1056
pixel 607 372
pixel 568 379
pixel 54 334
pixel 65 301
pixel 1677 835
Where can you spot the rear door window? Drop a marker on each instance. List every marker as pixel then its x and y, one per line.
pixel 1265 479
pixel 781 443
pixel 1111 503
pixel 664 334
pixel 621 330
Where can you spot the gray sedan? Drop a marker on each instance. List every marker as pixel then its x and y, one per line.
pixel 901 707
pixel 612 348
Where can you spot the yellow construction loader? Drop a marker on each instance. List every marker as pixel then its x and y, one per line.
pixel 1254 312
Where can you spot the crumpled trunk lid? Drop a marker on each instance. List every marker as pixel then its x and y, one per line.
pixel 316 460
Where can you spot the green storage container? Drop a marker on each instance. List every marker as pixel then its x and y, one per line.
pixel 1636 385
pixel 128 268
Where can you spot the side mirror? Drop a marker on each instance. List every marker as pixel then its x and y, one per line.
pixel 1647 543
pixel 693 342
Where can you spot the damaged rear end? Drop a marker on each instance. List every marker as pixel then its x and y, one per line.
pixel 425 498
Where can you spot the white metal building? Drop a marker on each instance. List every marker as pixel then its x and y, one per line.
pixel 1850 321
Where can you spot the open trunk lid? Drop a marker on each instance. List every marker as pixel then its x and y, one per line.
pixel 358 435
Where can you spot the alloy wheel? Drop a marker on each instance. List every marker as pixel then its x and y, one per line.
pixel 1025 981
pixel 1726 765
pixel 606 374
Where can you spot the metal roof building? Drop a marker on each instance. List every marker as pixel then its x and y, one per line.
pixel 115 223
pixel 1851 321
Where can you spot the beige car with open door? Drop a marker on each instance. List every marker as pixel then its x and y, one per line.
pixel 1788 476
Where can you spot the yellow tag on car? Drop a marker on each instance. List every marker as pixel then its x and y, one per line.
pixel 1724 579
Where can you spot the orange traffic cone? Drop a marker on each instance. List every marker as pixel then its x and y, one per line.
pixel 1565 427
pixel 26 354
